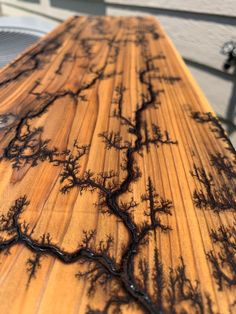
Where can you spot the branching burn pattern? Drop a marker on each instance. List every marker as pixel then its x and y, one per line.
pixel 224 262
pixel 219 198
pixel 126 287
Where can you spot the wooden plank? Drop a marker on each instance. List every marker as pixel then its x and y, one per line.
pixel 117 180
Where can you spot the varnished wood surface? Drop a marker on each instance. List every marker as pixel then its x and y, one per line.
pixel 117 181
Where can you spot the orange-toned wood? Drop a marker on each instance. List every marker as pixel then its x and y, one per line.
pixel 117 180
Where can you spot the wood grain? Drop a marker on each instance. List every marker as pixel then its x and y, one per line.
pixel 117 180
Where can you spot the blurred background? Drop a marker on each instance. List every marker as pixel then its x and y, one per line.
pixel 198 28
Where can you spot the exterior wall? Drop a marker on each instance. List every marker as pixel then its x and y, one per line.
pixel 197 27
pixel 199 6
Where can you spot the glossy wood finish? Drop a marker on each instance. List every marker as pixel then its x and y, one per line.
pixel 117 181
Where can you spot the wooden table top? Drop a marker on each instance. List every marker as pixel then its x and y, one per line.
pixel 117 180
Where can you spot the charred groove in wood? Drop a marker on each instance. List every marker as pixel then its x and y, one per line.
pixel 40 151
pixel 215 127
pixel 223 259
pixel 208 196
pixel 28 148
pixel 212 197
pixel 169 290
pixel 48 47
pixel 224 262
pixel 167 79
pixel 224 165
pixel 33 264
pixel 68 57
